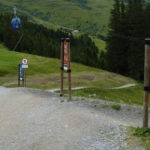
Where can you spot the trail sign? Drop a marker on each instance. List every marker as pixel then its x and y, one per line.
pixel 66 54
pixel 22 72
pixel 24 61
pixel 24 66
pixel 65 65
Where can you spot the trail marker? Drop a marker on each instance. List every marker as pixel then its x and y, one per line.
pixel 65 65
pixel 24 61
pixel 24 66
pixel 22 72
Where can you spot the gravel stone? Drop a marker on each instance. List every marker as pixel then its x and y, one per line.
pixel 32 119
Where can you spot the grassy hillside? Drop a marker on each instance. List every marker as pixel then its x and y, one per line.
pixel 101 45
pixel 90 16
pixel 44 73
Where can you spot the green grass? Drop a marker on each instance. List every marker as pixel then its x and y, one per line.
pixel 91 17
pixel 37 65
pixel 131 95
pixel 101 45
pixel 44 73
pixel 116 107
pixel 142 135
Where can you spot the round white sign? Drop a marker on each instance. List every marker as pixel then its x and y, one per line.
pixel 24 61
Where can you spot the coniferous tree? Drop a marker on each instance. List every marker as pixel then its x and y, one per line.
pixel 46 42
pixel 126 39
pixel 136 21
pixel 112 41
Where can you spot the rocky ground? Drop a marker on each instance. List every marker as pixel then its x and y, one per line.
pixel 33 119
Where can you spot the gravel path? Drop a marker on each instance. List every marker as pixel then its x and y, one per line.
pixel 39 120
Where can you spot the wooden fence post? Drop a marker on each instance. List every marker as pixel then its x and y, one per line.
pixel 69 72
pixel 146 82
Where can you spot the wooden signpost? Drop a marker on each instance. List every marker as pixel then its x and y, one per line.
pixel 146 82
pixel 65 65
pixel 22 73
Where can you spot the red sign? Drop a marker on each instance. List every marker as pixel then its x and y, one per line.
pixel 66 53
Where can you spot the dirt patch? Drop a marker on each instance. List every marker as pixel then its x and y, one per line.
pixel 87 77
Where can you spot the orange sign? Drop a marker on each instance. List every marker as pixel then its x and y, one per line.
pixel 66 53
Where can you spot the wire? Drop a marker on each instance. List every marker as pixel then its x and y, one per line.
pixel 15 11
pixel 18 42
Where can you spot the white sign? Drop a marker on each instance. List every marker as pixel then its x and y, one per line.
pixel 24 61
pixel 24 66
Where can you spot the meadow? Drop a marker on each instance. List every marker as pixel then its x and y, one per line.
pixel 44 73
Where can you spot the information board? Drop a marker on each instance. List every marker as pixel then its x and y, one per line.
pixel 66 55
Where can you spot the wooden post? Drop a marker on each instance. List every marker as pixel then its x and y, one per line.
pixel 24 74
pixel 69 73
pixel 146 82
pixel 62 72
pixel 23 78
pixel 19 75
pixel 65 65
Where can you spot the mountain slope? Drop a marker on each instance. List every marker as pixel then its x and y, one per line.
pixel 49 68
pixel 44 73
pixel 90 16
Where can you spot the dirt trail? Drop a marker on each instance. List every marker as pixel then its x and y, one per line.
pixel 124 86
pixel 78 88
pixel 58 89
pixel 39 120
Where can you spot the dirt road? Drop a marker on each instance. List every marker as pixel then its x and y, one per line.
pixel 39 120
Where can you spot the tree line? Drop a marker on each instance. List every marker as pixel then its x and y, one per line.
pixel 129 26
pixel 42 41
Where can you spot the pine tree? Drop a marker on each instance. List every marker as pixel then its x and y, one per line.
pixel 136 21
pixel 46 42
pixel 116 45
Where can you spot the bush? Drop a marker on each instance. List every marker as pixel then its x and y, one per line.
pixel 116 107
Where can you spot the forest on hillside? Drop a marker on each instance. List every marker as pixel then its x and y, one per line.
pixel 129 26
pixel 39 40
